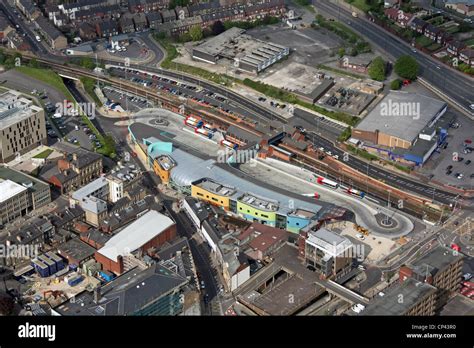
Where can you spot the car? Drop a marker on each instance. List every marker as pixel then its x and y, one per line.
pixel 445 146
pixel 360 236
pixel 472 176
pixel 449 172
pixel 471 106
pixel 467 276
pixel 466 151
pixel 460 159
pixel 301 129
pixel 468 141
pixel 468 162
pixel 413 50
pixel 449 167
pixel 203 286
pixel 381 294
pixel 361 267
pixel 459 176
pixel 357 308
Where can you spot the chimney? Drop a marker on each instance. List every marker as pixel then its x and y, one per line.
pixel 97 294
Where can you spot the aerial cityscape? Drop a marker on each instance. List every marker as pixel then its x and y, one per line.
pixel 236 158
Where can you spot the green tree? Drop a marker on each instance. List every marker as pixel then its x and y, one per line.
pixel 196 33
pixel 217 28
pixel 174 3
pixel 406 67
pixel 184 37
pixel 33 63
pixel 396 84
pixel 88 63
pixel 377 69
pixel 342 52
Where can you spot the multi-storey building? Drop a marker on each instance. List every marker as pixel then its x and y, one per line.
pixel 441 267
pixel 22 125
pixel 20 194
pixel 325 251
pixel 410 298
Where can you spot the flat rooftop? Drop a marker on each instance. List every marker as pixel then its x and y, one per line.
pixel 165 162
pixel 90 188
pixel 124 173
pixel 15 108
pixel 135 235
pixel 233 43
pixel 125 294
pixel 411 290
pixel 328 241
pixel 215 187
pixel 404 126
pixel 436 260
pixel 9 189
pixel 259 202
pixel 458 305
pixel 22 179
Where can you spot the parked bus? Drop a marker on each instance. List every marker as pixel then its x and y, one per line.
pixel 355 192
pixel 203 132
pixel 327 182
pixel 229 144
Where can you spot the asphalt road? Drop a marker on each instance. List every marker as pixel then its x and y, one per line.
pixel 389 177
pixel 454 84
pixel 398 181
pixel 30 36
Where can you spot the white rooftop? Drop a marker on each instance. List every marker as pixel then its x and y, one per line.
pixel 136 234
pixel 329 242
pixel 8 189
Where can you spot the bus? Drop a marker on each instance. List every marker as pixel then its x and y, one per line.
pixel 327 182
pixel 203 132
pixel 193 122
pixel 229 144
pixel 356 193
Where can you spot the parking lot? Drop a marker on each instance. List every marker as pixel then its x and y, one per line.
pixel 442 165
pixel 127 101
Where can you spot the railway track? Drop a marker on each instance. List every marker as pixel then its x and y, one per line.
pixel 172 103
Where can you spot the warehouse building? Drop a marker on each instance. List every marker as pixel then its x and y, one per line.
pixel 152 229
pixel 22 125
pixel 405 126
pixel 244 52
